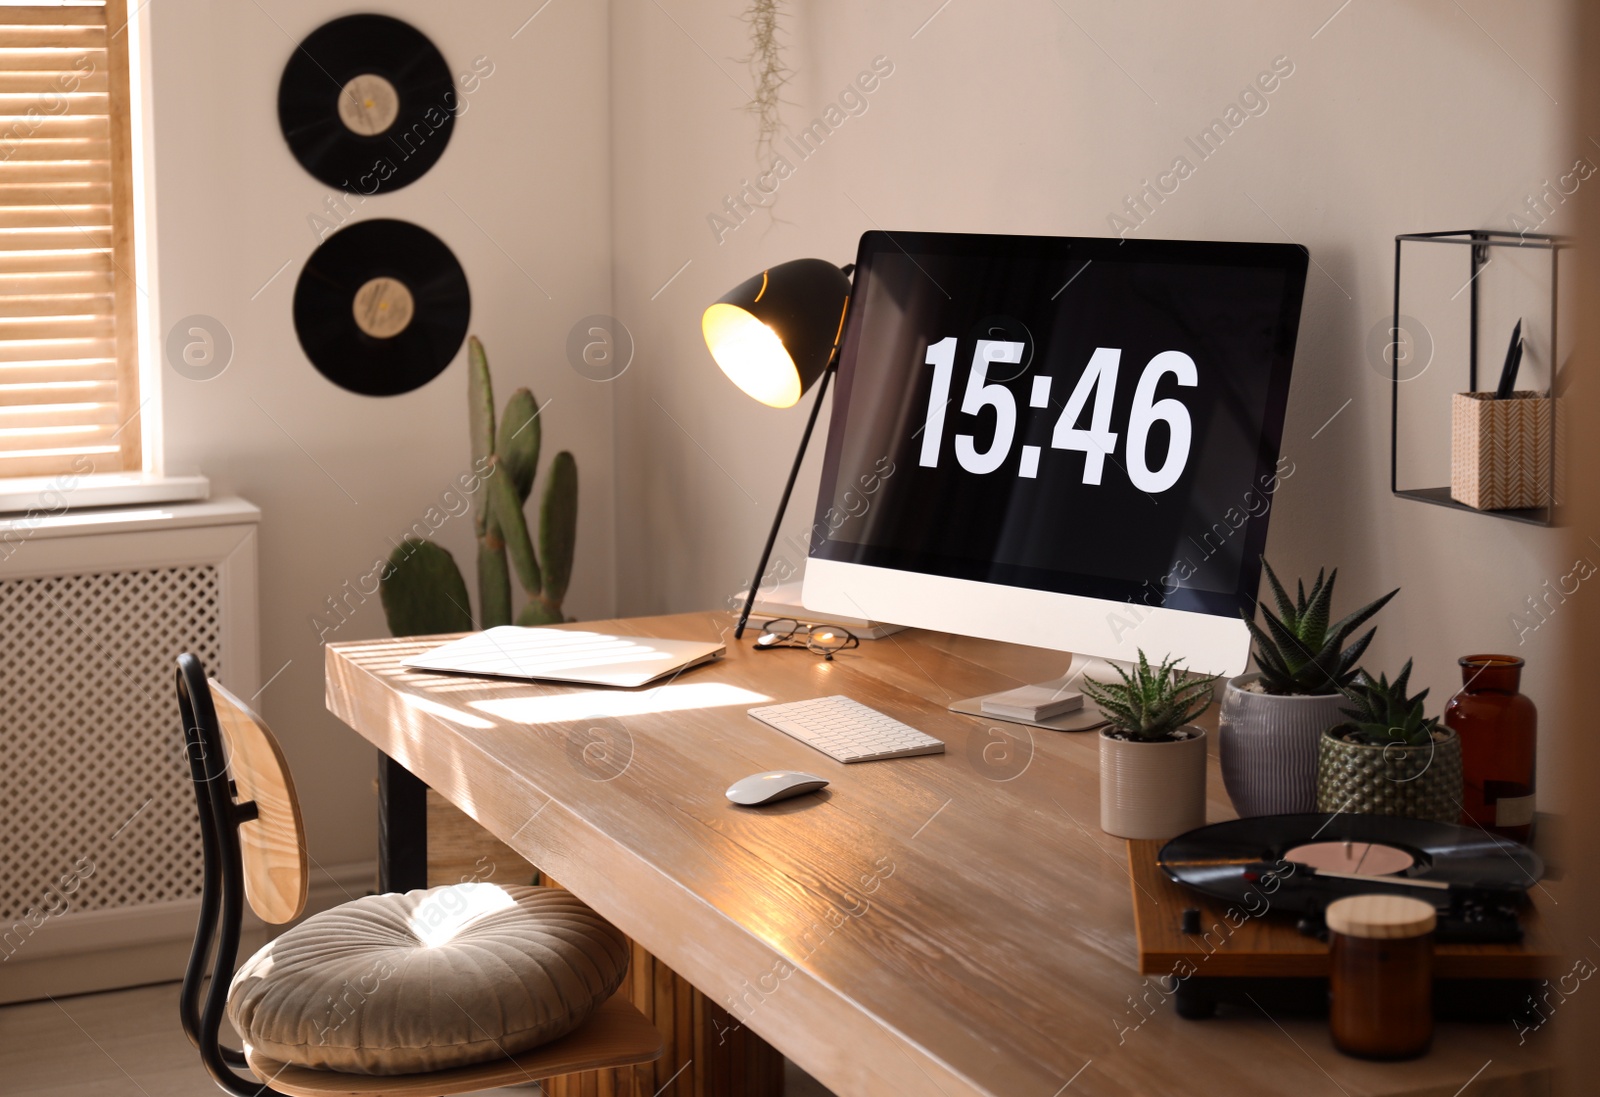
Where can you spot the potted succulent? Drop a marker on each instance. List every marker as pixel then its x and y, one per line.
pixel 1389 758
pixel 1272 721
pixel 1152 761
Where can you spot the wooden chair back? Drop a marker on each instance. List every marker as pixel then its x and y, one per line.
pixel 272 846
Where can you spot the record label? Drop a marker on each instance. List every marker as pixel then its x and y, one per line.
pixel 1355 858
pixel 367 103
pixel 381 307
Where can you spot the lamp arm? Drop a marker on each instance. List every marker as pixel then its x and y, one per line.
pixel 788 488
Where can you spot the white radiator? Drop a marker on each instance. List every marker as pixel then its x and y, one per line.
pixel 100 877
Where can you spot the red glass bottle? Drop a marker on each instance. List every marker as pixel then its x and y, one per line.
pixel 1498 728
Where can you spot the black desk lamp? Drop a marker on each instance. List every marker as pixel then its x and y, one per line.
pixel 776 335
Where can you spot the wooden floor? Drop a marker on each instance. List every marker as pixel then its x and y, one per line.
pixel 127 1043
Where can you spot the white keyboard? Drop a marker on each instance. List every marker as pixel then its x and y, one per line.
pixel 846 730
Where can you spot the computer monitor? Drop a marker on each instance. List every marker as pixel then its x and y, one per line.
pixel 1063 442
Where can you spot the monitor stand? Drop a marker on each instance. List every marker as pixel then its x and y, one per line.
pixel 1087 718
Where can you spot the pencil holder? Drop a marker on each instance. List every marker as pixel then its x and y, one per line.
pixel 1500 450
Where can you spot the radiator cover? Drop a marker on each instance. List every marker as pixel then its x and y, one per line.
pixel 100 881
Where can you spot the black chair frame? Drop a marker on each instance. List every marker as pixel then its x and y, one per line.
pixel 222 898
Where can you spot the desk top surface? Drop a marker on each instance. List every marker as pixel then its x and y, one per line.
pixel 949 924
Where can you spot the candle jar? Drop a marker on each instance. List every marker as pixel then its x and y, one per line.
pixel 1380 979
pixel 1498 729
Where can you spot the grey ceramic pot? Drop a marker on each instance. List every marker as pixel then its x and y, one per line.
pixel 1152 790
pixel 1268 746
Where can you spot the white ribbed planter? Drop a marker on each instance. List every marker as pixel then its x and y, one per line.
pixel 1268 746
pixel 1152 790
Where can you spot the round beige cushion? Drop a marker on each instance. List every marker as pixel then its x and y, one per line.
pixel 404 984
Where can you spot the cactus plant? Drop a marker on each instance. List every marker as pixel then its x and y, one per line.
pixel 423 592
pixel 1150 705
pixel 422 589
pixel 494 579
pixel 1300 654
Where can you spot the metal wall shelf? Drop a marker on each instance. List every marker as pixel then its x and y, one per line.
pixel 1478 242
pixel 1440 497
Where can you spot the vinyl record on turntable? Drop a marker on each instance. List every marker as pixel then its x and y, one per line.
pixel 367 103
pixel 1326 856
pixel 381 307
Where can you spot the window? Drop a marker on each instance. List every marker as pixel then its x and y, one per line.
pixel 69 377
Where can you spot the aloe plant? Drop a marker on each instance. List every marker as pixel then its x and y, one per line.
pixel 423 591
pixel 1151 704
pixel 1384 714
pixel 1299 652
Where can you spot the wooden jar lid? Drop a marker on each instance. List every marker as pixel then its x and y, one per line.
pixel 1380 916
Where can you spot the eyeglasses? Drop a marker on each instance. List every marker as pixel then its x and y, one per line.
pixel 786 632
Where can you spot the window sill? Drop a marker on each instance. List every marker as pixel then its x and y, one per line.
pixel 55 494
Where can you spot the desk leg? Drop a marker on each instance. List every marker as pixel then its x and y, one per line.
pixel 402 828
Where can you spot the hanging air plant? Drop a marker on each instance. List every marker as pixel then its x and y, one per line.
pixel 767 70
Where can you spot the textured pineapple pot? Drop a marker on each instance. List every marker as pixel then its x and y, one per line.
pixel 1414 782
pixel 1269 744
pixel 1153 789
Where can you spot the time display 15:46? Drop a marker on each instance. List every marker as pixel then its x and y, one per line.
pixel 1096 390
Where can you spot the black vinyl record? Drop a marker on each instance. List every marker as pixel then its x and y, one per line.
pixel 381 307
pixel 1307 861
pixel 367 103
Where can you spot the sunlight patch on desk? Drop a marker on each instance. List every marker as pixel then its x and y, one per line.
pixel 450 714
pixel 563 707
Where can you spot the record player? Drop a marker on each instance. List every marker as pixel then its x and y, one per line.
pixel 1232 913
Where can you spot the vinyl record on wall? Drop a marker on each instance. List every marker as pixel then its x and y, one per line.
pixel 381 307
pixel 367 103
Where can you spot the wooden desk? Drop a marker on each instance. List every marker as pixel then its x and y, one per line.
pixel 953 924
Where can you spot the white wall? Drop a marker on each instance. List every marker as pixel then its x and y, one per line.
pixel 1027 116
pixel 335 474
pixel 599 146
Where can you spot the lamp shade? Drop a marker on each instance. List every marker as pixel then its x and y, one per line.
pixel 774 334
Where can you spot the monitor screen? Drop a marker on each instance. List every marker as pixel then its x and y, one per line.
pixel 1080 416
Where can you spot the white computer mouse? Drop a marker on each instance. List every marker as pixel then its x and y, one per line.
pixel 772 786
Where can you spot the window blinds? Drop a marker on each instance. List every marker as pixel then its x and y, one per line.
pixel 69 395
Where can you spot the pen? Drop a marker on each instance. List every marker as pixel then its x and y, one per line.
pixel 1508 372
